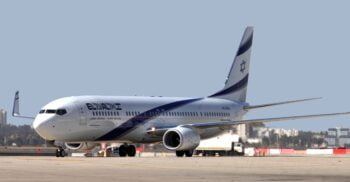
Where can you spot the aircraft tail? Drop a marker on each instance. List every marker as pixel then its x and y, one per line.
pixel 237 80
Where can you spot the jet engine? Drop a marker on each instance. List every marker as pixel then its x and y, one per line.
pixel 181 139
pixel 80 146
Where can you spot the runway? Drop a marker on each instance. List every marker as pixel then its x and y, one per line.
pixel 303 168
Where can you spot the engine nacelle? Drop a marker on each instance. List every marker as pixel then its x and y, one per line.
pixel 80 146
pixel 181 138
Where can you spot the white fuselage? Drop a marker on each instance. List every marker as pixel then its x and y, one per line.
pixel 127 119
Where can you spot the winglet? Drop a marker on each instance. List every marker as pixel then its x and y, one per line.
pixel 15 110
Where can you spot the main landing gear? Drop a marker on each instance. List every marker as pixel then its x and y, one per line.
pixel 60 152
pixel 187 153
pixel 127 150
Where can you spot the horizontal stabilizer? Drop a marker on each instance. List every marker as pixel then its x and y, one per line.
pixel 279 103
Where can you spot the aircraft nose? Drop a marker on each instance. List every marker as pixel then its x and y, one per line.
pixel 42 127
pixel 36 124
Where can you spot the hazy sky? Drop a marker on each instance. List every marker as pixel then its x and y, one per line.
pixel 52 49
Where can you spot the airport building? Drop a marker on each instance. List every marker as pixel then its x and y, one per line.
pixel 338 137
pixel 267 132
pixel 241 130
pixel 3 117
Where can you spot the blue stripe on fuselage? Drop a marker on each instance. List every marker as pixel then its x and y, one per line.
pixel 239 85
pixel 132 123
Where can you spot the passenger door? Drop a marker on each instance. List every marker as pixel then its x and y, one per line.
pixel 83 118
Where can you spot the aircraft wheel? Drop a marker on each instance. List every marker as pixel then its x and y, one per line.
pixel 189 153
pixel 131 151
pixel 123 151
pixel 180 153
pixel 57 153
pixel 62 153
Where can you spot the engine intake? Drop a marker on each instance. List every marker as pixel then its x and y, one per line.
pixel 181 138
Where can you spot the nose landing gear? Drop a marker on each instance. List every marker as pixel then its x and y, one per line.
pixel 60 152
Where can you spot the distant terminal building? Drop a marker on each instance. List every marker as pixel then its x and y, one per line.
pixel 338 137
pixel 267 132
pixel 3 117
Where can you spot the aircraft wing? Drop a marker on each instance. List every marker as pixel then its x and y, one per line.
pixel 249 121
pixel 160 131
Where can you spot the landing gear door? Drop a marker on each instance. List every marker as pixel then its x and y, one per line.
pixel 82 115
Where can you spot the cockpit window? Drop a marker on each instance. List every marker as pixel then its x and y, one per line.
pixel 61 112
pixel 53 111
pixel 50 111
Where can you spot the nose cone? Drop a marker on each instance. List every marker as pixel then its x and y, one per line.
pixel 42 126
pixel 37 122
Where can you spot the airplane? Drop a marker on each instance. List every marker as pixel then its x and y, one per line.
pixel 82 122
